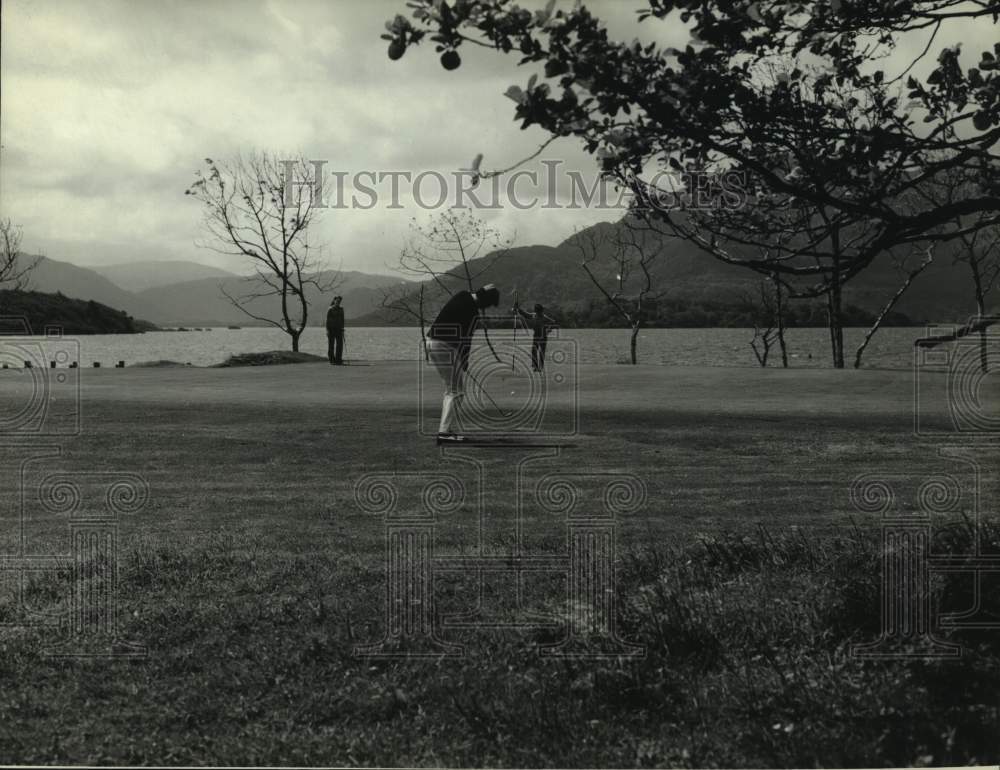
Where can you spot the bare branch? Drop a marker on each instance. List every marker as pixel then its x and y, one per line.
pixel 15 267
pixel 247 212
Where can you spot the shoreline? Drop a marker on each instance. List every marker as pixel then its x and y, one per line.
pixel 894 348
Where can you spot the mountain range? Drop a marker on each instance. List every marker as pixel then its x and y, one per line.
pixel 553 276
pixel 191 294
pixel 139 276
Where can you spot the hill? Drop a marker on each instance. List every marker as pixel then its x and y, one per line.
pixel 196 302
pixel 138 276
pixel 74 316
pixel 697 289
pixel 51 276
pixel 203 303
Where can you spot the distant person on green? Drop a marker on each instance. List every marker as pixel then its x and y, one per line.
pixel 335 331
pixel 539 323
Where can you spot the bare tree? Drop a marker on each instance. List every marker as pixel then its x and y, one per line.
pixel 402 301
pixel 768 311
pixel 800 245
pixel 981 252
pixel 621 263
pixel 978 247
pixel 928 258
pixel 797 231
pixel 14 269
pixel 453 251
pixel 262 208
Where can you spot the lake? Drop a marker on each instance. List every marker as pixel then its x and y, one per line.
pixel 808 347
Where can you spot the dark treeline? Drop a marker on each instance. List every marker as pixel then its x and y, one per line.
pixel 697 313
pixel 73 316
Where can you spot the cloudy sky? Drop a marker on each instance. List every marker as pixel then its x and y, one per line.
pixel 109 106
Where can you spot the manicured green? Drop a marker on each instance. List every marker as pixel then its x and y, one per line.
pixel 252 573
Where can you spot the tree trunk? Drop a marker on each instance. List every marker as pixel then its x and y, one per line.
pixel 423 333
pixel 885 310
pixel 295 340
pixel 780 312
pixel 633 341
pixel 833 306
pixel 833 303
pixel 980 310
pixel 765 340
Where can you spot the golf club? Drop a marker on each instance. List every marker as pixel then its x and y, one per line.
pixel 471 376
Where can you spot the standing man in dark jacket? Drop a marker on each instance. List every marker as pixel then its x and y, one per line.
pixel 448 345
pixel 335 331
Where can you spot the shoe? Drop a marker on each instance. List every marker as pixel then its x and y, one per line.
pixel 450 438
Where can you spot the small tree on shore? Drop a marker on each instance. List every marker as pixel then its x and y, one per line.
pixel 455 249
pixel 767 308
pixel 888 306
pixel 977 247
pixel 402 301
pixel 451 252
pixel 981 253
pixel 621 263
pixel 261 208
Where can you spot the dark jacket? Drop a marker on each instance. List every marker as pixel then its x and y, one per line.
pixel 335 319
pixel 456 321
pixel 539 324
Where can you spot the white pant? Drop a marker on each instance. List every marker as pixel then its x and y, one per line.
pixel 445 359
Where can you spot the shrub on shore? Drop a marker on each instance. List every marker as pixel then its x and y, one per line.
pixel 270 358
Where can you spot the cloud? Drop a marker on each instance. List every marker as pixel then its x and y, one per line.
pixel 110 106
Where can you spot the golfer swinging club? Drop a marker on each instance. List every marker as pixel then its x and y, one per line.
pixel 448 346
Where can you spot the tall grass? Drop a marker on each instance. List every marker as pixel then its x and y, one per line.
pixel 747 662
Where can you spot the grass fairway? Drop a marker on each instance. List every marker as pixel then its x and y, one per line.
pixel 251 575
